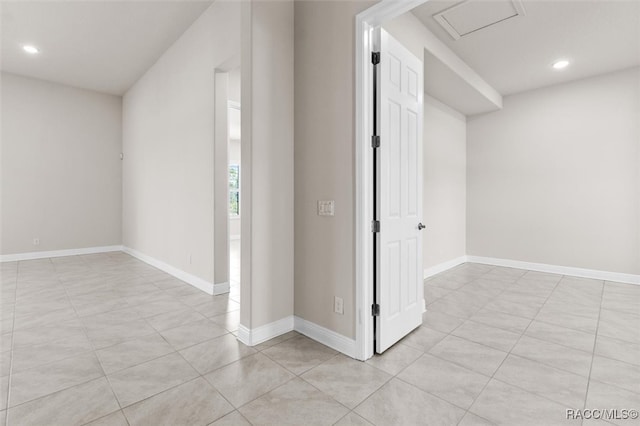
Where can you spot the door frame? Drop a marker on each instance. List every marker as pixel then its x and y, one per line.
pixel 366 21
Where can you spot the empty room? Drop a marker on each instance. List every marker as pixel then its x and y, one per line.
pixel 310 212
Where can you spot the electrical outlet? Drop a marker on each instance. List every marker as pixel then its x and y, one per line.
pixel 36 241
pixel 338 305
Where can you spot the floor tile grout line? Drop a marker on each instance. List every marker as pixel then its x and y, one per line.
pixel 554 367
pixel 501 363
pixel 10 380
pixel 435 395
pixel 174 351
pixel 238 360
pixel 119 410
pixel 13 324
pixel 391 377
pixel 593 353
pixel 428 353
pixel 237 408
pixel 523 334
pixel 258 397
pixel 299 376
pixel 466 410
pixel 94 354
pixel 93 350
pixel 156 394
pixel 196 370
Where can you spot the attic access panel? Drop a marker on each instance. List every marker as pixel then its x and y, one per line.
pixel 473 15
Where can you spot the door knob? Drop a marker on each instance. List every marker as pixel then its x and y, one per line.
pixel 421 227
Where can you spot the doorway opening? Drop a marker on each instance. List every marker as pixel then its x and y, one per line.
pixel 227 183
pixel 367 22
pixel 235 205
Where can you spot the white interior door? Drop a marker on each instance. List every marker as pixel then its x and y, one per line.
pixel 399 288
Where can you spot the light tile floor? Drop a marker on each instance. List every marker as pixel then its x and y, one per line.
pixel 107 340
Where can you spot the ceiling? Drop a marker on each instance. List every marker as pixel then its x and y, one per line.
pixel 516 54
pixel 99 45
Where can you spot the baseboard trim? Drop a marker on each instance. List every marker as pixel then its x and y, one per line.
pixel 221 288
pixel 57 253
pixel 444 266
pixel 325 336
pixel 556 269
pixel 197 282
pixel 255 336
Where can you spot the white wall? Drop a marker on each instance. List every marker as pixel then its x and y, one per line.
pixel 267 162
pixel 553 177
pixel 168 145
pixel 444 187
pixel 61 167
pixel 324 161
pixel 234 90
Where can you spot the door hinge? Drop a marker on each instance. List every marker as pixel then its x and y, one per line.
pixel 375 310
pixel 375 58
pixel 375 226
pixel 375 141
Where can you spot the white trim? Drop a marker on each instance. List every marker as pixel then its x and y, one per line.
pixel 255 336
pixel 364 24
pixel 220 288
pixel 244 335
pixel 386 10
pixel 325 336
pixel 197 282
pixel 556 269
pixel 364 323
pixel 444 266
pixel 57 253
pixel 234 237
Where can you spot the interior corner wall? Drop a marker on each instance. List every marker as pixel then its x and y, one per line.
pixel 168 136
pixel 444 183
pixel 554 178
pixel 60 166
pixel 267 75
pixel 325 161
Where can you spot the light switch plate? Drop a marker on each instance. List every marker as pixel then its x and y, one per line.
pixel 326 208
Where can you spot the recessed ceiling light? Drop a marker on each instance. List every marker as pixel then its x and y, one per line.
pixel 30 49
pixel 563 63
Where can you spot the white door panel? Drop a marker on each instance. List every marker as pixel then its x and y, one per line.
pixel 399 290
